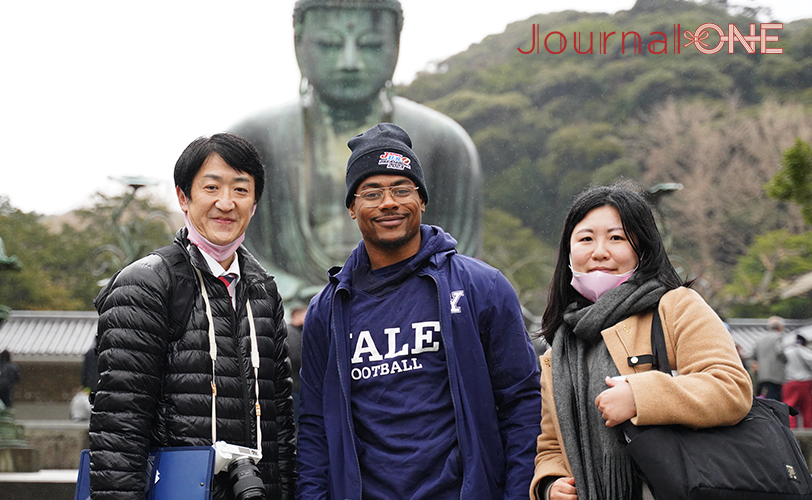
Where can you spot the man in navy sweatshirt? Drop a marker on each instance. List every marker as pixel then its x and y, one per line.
pixel 418 377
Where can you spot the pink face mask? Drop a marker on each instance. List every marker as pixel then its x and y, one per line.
pixel 219 252
pixel 593 285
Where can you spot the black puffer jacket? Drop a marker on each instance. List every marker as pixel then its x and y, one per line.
pixel 155 379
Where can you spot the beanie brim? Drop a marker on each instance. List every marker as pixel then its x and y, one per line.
pixel 385 149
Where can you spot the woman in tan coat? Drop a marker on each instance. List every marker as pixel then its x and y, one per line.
pixel 612 271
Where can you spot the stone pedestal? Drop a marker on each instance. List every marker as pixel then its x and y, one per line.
pixel 59 442
pixel 21 458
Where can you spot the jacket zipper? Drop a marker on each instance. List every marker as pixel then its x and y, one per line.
pixel 454 401
pixel 347 407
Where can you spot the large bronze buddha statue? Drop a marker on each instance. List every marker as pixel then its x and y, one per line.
pixel 347 51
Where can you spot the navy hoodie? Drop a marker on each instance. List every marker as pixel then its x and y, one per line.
pixel 490 373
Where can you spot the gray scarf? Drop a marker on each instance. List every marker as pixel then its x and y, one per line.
pixel 596 453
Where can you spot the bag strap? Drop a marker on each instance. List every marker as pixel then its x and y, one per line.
pixel 183 286
pixel 213 356
pixel 658 344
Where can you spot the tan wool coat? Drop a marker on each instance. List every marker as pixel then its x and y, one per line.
pixel 711 389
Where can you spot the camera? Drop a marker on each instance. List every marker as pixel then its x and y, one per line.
pixel 240 462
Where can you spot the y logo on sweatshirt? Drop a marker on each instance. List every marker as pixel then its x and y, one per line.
pixel 456 295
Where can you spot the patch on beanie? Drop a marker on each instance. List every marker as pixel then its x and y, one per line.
pixel 395 161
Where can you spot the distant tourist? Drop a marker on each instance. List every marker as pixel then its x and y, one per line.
pixel 80 405
pixel 90 369
pixel 297 317
pixel 797 388
pixel 769 361
pixel 9 377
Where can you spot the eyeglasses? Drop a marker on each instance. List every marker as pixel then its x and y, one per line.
pixel 375 196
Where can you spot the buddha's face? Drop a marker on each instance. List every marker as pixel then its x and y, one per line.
pixel 347 54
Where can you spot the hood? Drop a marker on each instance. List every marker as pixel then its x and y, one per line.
pixel 435 247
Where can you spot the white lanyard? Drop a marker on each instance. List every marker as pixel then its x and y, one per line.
pixel 213 355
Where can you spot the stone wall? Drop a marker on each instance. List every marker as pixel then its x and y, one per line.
pixel 59 443
pixel 48 382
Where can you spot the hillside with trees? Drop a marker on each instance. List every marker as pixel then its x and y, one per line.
pixel 549 125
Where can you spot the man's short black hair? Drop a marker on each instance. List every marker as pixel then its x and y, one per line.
pixel 238 153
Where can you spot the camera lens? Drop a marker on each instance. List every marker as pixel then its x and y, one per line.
pixel 245 480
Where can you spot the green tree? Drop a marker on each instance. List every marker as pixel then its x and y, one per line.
pixel 723 155
pixel 58 264
pixel 794 181
pixel 7 263
pixel 524 259
pixel 122 229
pixel 770 263
pixel 53 274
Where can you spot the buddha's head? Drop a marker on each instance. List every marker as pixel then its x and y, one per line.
pixel 347 49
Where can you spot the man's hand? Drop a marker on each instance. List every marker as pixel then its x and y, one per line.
pixel 616 404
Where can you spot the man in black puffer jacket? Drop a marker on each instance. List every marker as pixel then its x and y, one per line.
pixel 159 377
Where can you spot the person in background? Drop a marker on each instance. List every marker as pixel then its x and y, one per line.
pixel 797 388
pixel 9 378
pixel 769 361
pixel 297 317
pixel 611 273
pixel 746 362
pixel 90 369
pixel 80 408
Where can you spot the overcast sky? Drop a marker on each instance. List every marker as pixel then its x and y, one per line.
pixel 92 88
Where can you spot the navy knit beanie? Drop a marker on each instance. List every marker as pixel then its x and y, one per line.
pixel 384 149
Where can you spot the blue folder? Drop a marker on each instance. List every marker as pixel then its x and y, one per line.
pixel 183 472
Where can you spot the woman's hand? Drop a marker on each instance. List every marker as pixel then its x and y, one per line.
pixel 563 489
pixel 616 403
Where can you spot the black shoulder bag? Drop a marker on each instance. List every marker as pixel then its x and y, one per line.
pixel 756 459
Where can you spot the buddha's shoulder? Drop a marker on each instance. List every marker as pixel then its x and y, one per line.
pixel 282 117
pixel 418 120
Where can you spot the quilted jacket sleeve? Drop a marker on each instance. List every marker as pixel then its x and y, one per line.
pixel 132 335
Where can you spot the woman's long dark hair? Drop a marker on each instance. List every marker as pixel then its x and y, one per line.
pixel 641 230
